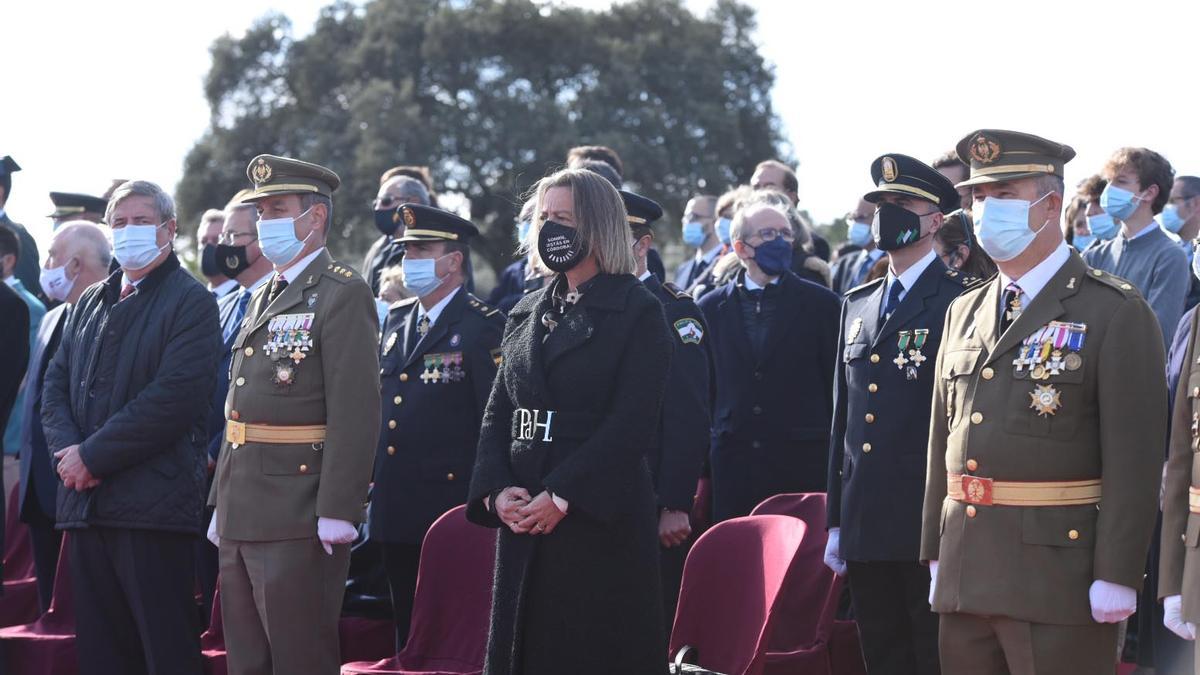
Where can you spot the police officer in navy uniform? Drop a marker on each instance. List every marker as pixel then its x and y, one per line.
pixel 890 333
pixel 438 358
pixel 678 457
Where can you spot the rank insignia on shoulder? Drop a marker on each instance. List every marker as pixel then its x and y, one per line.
pixel 676 291
pixel 689 331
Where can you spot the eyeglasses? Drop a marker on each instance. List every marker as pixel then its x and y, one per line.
pixel 228 238
pixel 768 234
pixel 389 202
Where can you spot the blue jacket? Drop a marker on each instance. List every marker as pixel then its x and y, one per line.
pixel 877 468
pixel 37 478
pixel 771 415
pixel 226 313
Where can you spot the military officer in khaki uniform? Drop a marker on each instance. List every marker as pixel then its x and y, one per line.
pixel 302 419
pixel 1179 563
pixel 1045 438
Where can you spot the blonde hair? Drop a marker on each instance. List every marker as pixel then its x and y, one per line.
pixel 599 217
pixel 391 285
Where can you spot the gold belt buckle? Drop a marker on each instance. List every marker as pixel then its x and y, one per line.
pixel 977 490
pixel 235 432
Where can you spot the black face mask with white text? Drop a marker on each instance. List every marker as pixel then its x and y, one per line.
pixel 559 246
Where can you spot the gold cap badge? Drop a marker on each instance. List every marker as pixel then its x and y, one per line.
pixel 261 171
pixel 889 170
pixel 984 150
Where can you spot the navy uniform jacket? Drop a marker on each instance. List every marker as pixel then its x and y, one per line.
pixel 877 468
pixel 36 472
pixel 226 310
pixel 678 458
pixel 430 424
pixel 771 415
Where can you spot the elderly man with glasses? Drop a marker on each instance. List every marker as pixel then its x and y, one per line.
pixel 774 338
pixel 394 192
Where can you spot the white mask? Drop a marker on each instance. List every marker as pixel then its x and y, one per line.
pixel 55 282
pixel 136 246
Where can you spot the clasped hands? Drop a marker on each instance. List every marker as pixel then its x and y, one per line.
pixel 73 472
pixel 527 515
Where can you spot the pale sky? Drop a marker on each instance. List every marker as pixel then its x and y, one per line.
pixel 99 90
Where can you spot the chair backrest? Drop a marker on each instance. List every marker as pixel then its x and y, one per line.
pixel 731 583
pixel 808 604
pixel 453 597
pixel 18 550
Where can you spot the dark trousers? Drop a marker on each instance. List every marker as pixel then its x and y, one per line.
pixel 207 564
pixel 46 542
pixel 670 561
pixel 400 562
pixel 891 604
pixel 134 609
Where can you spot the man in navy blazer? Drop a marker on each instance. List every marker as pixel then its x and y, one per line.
pixel 79 256
pixel 773 338
pixel 891 329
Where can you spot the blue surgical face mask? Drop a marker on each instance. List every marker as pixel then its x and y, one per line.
pixel 1082 241
pixel 1002 226
pixel 277 239
pixel 1118 202
pixel 1170 219
pixel 773 257
pixel 136 246
pixel 522 230
pixel 723 227
pixel 859 233
pixel 693 234
pixel 1103 226
pixel 420 275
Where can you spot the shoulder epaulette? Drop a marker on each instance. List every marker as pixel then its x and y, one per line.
pixel 1112 281
pixel 340 272
pixel 964 280
pixel 865 286
pixel 677 292
pixel 480 306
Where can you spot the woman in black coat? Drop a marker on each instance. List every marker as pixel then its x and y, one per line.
pixel 561 466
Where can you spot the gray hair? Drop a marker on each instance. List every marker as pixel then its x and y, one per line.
pixel 801 228
pixel 411 188
pixel 91 238
pixel 1050 183
pixel 752 207
pixel 309 198
pixel 142 188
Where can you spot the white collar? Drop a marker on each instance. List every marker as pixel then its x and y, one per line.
pixel 125 280
pixel 909 278
pixel 12 281
pixel 434 312
pixel 224 288
pixel 259 282
pixel 752 285
pixel 294 271
pixel 645 276
pixel 1036 279
pixel 710 255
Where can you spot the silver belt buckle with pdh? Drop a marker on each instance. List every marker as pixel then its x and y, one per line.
pixel 529 421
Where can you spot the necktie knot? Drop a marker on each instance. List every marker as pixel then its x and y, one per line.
pixel 893 300
pixel 277 285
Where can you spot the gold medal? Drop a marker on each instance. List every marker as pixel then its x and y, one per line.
pixel 1039 372
pixel 1045 399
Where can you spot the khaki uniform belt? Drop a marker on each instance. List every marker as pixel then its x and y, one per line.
pixel 1194 500
pixel 986 492
pixel 239 433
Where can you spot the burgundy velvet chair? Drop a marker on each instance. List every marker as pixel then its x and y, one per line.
pixel 46 646
pixel 731 588
pixel 19 604
pixel 452 603
pixel 807 637
pixel 212 641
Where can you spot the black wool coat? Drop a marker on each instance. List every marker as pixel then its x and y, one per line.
pixel 584 598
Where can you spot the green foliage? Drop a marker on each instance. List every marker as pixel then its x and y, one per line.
pixel 490 94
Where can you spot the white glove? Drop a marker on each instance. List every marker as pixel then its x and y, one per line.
pixel 333 531
pixel 932 579
pixel 1111 603
pixel 833 559
pixel 1173 618
pixel 212 531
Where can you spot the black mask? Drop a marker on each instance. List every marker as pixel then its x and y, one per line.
pixel 230 260
pixel 559 246
pixel 208 261
pixel 895 227
pixel 387 221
